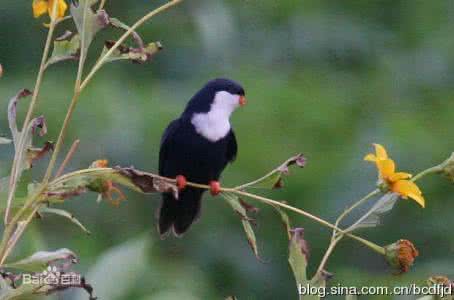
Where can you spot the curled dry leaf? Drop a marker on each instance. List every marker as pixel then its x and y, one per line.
pixel 147 182
pixel 23 141
pixel 34 154
pixel 136 55
pixel 12 113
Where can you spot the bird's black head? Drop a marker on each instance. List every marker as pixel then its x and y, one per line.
pixel 225 94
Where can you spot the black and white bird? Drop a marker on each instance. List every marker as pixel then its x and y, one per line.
pixel 197 147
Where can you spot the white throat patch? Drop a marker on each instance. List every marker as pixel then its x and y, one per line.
pixel 215 124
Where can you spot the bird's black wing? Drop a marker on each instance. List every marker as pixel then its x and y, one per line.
pixel 166 142
pixel 232 147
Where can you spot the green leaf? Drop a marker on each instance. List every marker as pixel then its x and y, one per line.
pixel 88 23
pixel 235 203
pixel 372 218
pixel 285 220
pixel 41 260
pixel 27 152
pixel 65 214
pixel 298 255
pixel 4 140
pixel 65 49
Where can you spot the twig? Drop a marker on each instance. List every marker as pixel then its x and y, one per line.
pixel 68 157
pixel 142 20
pixel 31 109
pixel 328 252
pixel 102 4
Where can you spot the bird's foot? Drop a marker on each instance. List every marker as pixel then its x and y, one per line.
pixel 215 187
pixel 181 182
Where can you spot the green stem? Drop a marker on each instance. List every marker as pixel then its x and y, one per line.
pixel 21 144
pixel 79 86
pixel 432 170
pixel 367 243
pixel 357 204
pixel 328 252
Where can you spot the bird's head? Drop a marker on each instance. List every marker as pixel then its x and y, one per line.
pixel 219 96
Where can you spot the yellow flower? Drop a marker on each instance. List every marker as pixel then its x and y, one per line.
pixel 40 7
pixel 397 182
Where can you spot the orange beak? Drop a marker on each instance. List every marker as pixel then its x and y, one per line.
pixel 242 101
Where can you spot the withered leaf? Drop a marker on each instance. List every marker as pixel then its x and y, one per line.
pixel 77 182
pixel 136 55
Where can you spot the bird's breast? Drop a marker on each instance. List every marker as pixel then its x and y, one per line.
pixel 210 126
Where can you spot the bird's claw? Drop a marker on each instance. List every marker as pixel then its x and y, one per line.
pixel 215 187
pixel 181 182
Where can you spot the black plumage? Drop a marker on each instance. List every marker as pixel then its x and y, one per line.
pixel 186 151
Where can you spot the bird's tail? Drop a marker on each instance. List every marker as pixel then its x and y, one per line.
pixel 179 213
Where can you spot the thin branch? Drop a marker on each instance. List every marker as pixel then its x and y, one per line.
pixel 19 151
pixel 68 157
pixel 102 4
pixel 328 252
pixel 142 20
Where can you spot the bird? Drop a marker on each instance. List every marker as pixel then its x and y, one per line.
pixel 197 147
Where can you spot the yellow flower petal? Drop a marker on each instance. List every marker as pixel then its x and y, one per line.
pixel 399 176
pixel 39 7
pixel 386 168
pixel 61 8
pixel 408 189
pixel 380 151
pixel 370 157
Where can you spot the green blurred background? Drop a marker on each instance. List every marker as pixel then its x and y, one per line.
pixel 326 78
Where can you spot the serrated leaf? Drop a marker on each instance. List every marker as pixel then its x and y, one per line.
pixel 42 259
pixel 65 214
pixel 88 23
pixel 66 49
pixel 235 203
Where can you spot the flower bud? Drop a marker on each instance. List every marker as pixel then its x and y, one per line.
pixel 401 255
pixel 448 167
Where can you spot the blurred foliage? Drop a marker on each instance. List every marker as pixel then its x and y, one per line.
pixel 322 77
